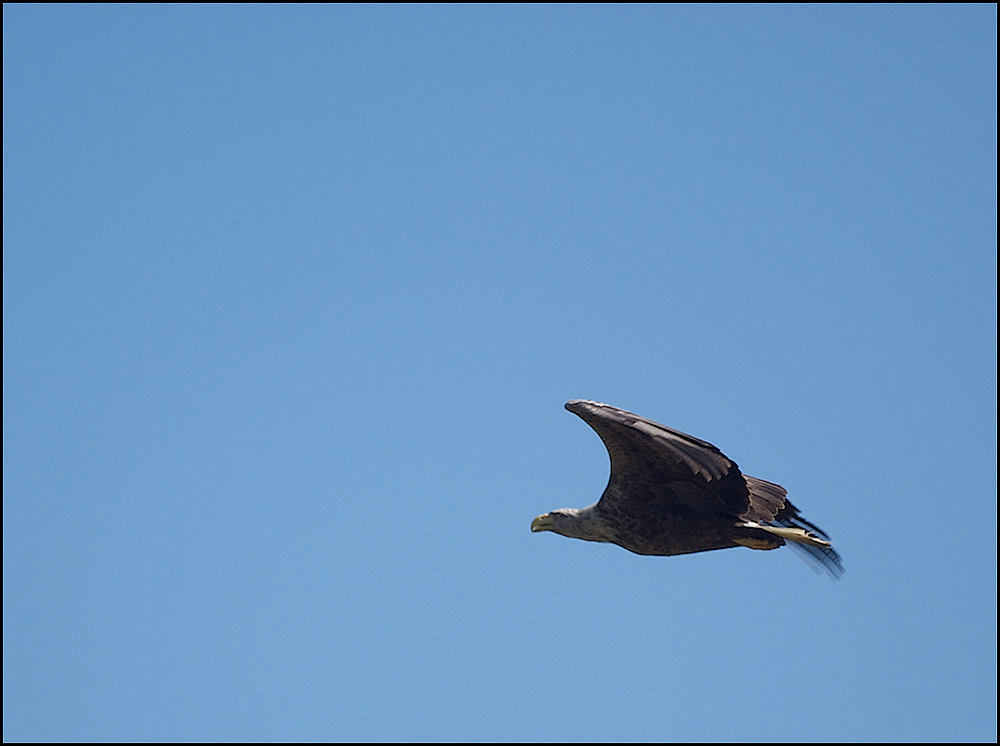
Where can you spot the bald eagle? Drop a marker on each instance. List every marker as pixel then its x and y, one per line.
pixel 671 493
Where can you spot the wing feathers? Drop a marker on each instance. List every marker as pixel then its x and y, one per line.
pixel 619 428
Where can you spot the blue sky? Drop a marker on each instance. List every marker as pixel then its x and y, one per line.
pixel 294 295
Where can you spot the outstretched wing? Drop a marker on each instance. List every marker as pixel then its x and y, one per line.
pixel 655 468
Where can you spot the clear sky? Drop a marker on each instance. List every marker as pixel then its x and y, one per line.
pixel 293 298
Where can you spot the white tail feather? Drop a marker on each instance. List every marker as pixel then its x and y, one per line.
pixel 798 535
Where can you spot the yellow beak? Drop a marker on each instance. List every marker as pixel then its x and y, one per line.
pixel 541 523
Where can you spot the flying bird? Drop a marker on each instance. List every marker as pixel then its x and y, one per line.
pixel 671 493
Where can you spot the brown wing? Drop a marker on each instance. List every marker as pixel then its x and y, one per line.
pixel 769 504
pixel 767 500
pixel 657 469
